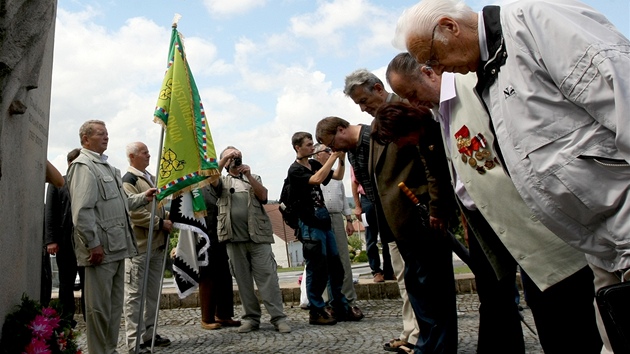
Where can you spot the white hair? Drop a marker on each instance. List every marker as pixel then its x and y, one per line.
pixel 132 149
pixel 420 19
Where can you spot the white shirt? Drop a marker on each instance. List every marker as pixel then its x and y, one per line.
pixel 335 197
pixel 447 93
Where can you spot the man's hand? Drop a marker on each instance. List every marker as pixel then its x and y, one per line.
pixel 52 248
pixel 358 212
pixel 338 155
pixel 96 255
pixel 436 223
pixel 167 225
pixel 150 194
pixel 349 228
pixel 245 170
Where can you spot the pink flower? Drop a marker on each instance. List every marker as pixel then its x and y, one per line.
pixel 42 327
pixel 49 312
pixel 37 346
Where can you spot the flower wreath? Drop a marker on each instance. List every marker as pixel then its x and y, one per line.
pixel 34 329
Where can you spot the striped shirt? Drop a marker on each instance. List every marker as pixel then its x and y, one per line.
pixel 359 157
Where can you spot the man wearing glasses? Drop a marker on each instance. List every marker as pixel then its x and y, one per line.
pixel 553 77
pixel 425 249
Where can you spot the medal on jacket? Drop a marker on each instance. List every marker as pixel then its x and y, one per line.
pixel 474 150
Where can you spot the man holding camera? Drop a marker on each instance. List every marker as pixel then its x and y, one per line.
pixel 243 223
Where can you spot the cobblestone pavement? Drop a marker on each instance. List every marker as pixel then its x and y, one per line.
pixel 382 322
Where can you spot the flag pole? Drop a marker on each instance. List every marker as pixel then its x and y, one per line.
pixel 146 269
pixel 145 280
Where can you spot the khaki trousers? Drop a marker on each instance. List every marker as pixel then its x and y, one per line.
pixel 339 229
pixel 254 262
pixel 104 290
pixel 134 278
pixel 410 325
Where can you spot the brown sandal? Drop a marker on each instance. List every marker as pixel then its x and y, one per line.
pixel 394 344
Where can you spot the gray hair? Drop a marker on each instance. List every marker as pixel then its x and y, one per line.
pixel 87 128
pixel 227 148
pixel 132 148
pixel 404 64
pixel 420 19
pixel 361 77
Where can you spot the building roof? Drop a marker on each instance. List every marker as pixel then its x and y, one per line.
pixel 280 228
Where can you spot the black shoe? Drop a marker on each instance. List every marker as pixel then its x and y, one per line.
pixel 321 318
pixel 159 342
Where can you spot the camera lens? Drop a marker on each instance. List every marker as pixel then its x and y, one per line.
pixel 238 161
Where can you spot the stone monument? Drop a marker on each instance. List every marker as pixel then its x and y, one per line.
pixel 26 54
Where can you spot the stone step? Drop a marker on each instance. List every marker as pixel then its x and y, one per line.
pixel 366 289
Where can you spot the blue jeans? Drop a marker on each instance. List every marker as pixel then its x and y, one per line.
pixel 371 235
pixel 323 265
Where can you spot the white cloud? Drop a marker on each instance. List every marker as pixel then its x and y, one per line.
pixel 231 7
pixel 256 95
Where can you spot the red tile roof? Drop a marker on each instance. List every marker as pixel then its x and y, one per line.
pixel 280 228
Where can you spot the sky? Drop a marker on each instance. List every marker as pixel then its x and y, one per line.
pixel 265 69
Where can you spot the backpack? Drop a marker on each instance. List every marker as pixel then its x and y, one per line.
pixel 289 206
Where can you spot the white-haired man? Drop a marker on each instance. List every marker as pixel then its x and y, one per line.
pixel 553 76
pixel 137 180
pixel 555 277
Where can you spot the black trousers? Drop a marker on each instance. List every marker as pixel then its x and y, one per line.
pixel 68 269
pixel 500 328
pixel 430 286
pixel 564 314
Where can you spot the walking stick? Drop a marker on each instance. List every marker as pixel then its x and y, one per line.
pixel 456 246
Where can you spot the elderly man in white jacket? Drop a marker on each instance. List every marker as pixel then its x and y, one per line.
pixel 554 78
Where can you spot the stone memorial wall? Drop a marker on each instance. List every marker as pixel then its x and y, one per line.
pixel 26 55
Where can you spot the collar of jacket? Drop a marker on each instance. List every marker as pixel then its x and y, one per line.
pixel 496 48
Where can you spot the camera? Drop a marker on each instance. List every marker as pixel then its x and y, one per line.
pixel 238 161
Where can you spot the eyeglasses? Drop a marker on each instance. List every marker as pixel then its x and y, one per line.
pixel 331 146
pixel 432 62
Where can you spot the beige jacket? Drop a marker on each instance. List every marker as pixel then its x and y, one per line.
pixel 135 182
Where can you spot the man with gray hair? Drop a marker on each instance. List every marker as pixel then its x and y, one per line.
pixel 555 277
pixel 558 104
pixel 137 180
pixel 368 91
pixel 103 237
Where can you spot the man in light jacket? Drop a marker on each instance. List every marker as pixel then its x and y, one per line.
pixel 137 180
pixel 553 76
pixel 102 234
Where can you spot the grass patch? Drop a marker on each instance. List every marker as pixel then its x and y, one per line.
pixel 462 269
pixel 290 269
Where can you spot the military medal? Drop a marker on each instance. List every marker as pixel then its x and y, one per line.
pixel 474 150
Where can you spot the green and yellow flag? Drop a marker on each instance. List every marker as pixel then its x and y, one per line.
pixel 188 155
